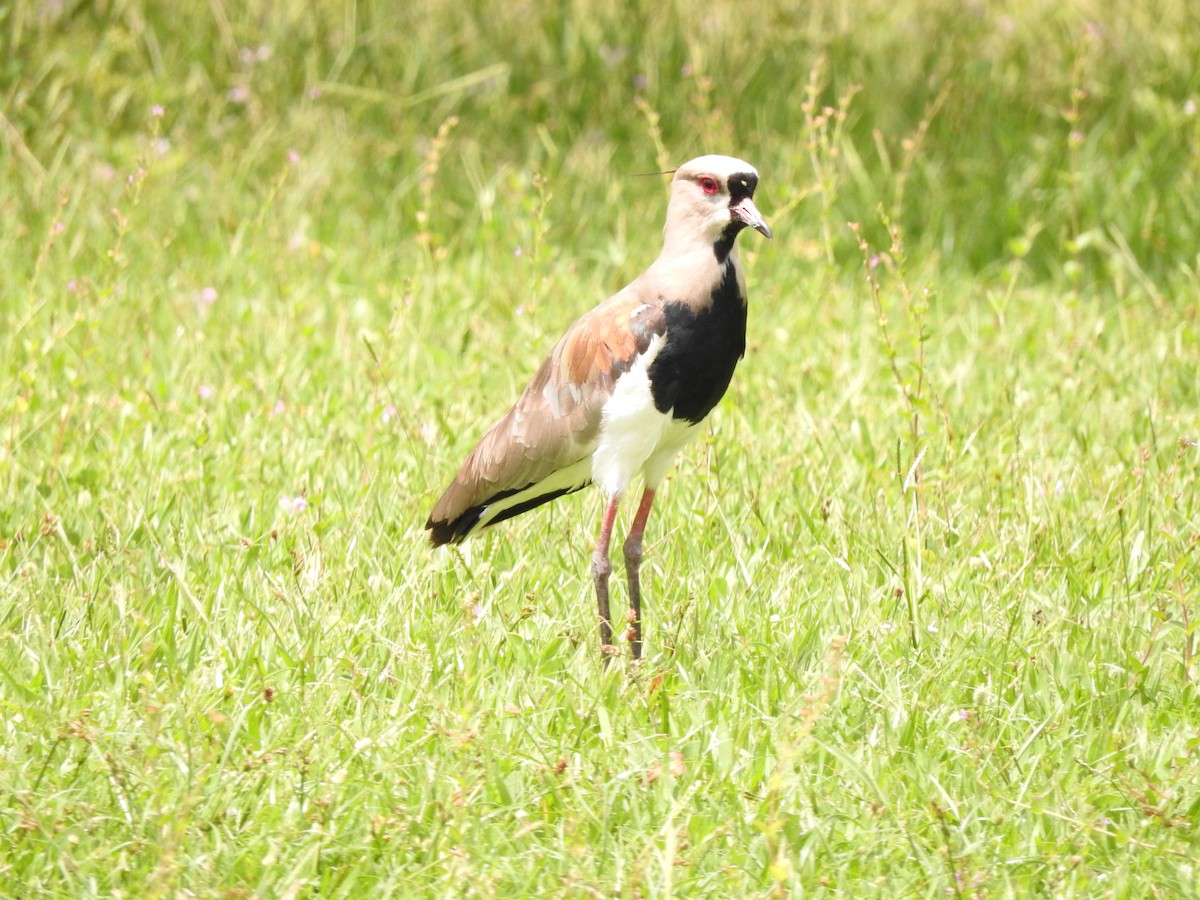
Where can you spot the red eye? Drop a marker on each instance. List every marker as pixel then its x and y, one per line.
pixel 708 185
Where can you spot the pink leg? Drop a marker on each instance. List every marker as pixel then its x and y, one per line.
pixel 601 569
pixel 633 564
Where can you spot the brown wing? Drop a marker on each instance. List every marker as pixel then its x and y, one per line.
pixel 556 422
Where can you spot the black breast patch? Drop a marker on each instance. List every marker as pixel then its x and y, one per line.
pixel 695 365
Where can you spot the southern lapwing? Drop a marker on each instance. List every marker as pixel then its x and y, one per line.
pixel 627 386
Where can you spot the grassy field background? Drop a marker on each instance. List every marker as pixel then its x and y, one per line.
pixel 921 605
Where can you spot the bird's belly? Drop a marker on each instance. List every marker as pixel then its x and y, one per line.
pixel 676 436
pixel 634 435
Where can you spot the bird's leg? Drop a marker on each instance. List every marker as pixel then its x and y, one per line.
pixel 601 568
pixel 633 564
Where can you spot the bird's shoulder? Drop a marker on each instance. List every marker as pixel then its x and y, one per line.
pixel 605 342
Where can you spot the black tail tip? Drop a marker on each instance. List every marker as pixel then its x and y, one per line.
pixel 442 533
pixel 454 531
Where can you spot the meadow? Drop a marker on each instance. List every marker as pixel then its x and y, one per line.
pixel 921 605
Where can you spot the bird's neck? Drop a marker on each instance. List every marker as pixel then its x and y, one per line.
pixel 688 274
pixel 696 260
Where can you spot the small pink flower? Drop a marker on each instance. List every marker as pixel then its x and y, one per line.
pixel 293 505
pixel 389 413
pixel 208 296
pixel 279 407
pixel 156 110
pixel 293 157
pixel 205 392
pixel 59 227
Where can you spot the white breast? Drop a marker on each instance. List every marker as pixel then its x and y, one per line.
pixel 634 436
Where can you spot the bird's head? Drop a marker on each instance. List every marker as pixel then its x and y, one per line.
pixel 712 200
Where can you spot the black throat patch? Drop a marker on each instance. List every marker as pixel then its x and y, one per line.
pixel 724 245
pixel 694 367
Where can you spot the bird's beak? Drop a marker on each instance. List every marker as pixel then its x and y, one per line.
pixel 745 211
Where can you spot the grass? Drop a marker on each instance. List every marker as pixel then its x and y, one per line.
pixel 921 604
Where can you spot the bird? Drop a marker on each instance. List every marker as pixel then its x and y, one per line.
pixel 626 387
